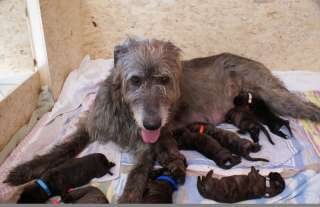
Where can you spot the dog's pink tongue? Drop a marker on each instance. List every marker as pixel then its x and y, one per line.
pixel 150 136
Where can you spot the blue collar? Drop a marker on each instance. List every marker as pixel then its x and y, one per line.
pixel 168 180
pixel 44 186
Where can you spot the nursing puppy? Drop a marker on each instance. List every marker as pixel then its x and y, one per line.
pixel 71 174
pixel 160 187
pixel 87 195
pixel 207 146
pixel 229 140
pixel 246 121
pixel 263 113
pixel 237 188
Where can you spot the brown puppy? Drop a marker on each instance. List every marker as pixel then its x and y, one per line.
pixel 263 113
pixel 242 117
pixel 160 187
pixel 71 174
pixel 207 146
pixel 87 194
pixel 240 187
pixel 229 140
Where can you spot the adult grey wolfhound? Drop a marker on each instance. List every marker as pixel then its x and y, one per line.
pixel 151 90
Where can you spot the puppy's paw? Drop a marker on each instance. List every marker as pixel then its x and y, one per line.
pixel 255 147
pixel 229 162
pixel 204 184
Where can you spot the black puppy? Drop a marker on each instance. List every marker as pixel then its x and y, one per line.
pixel 160 187
pixel 240 187
pixel 207 146
pixel 243 118
pixel 73 173
pixel 87 194
pixel 263 113
pixel 231 141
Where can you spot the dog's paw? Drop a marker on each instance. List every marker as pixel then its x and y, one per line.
pixel 19 175
pixel 177 169
pixel 129 197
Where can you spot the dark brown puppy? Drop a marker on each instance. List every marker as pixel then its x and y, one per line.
pixel 87 194
pixel 240 187
pixel 71 174
pixel 242 117
pixel 229 140
pixel 263 113
pixel 207 146
pixel 160 187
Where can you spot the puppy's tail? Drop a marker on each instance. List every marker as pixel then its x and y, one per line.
pixel 248 157
pixel 285 103
pixel 34 168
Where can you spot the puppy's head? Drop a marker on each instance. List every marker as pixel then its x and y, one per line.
pixel 277 184
pixel 33 194
pixel 241 99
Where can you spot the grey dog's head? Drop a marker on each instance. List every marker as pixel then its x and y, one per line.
pixel 149 71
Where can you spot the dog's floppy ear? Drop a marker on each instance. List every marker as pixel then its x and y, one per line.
pixel 172 48
pixel 118 52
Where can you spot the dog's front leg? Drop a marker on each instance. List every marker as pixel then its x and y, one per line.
pixel 137 178
pixel 168 155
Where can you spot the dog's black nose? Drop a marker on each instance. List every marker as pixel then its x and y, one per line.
pixel 152 124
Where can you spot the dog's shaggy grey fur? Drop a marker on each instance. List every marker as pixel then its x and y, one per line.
pixel 150 88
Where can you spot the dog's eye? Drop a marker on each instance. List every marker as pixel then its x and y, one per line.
pixel 164 80
pixel 135 80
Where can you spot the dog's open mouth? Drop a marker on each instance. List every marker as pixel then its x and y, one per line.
pixel 150 136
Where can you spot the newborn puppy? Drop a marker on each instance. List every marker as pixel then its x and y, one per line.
pixel 229 140
pixel 263 113
pixel 88 194
pixel 73 173
pixel 240 187
pixel 160 187
pixel 245 120
pixel 207 146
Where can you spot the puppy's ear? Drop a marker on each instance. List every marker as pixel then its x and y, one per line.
pixel 119 51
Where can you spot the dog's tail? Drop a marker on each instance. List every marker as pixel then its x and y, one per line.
pixel 257 78
pixel 34 168
pixel 285 103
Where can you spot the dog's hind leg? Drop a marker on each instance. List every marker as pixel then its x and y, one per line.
pixel 34 168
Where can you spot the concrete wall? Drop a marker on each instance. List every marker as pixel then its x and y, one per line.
pixel 16 109
pixel 15 48
pixel 61 24
pixel 283 34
